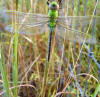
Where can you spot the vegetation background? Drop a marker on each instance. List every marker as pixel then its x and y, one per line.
pixel 23 57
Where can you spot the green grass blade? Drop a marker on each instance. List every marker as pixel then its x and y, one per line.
pixel 15 75
pixel 4 75
pixel 96 90
pixel 15 71
pixel 45 79
pixel 17 3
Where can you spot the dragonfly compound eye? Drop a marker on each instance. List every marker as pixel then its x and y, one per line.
pixel 53 6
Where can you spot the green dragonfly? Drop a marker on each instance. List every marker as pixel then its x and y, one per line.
pixel 64 26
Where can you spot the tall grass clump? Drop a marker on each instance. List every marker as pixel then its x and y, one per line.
pixel 4 74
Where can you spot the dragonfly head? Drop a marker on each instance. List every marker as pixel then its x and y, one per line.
pixel 53 6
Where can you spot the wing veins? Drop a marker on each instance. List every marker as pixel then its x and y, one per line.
pixel 85 35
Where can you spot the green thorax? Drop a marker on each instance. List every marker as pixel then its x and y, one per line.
pixel 53 14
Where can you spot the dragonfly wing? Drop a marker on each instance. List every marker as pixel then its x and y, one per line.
pixel 78 21
pixel 26 18
pixel 26 22
pixel 27 30
pixel 73 35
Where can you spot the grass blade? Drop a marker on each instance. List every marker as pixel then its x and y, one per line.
pixel 96 90
pixel 4 75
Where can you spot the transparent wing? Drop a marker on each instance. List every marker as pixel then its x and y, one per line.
pixel 72 34
pixel 27 30
pixel 25 18
pixel 25 21
pixel 78 21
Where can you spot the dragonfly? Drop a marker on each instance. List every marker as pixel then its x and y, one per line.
pixel 63 26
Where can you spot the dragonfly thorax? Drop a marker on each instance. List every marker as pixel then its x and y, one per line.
pixel 53 13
